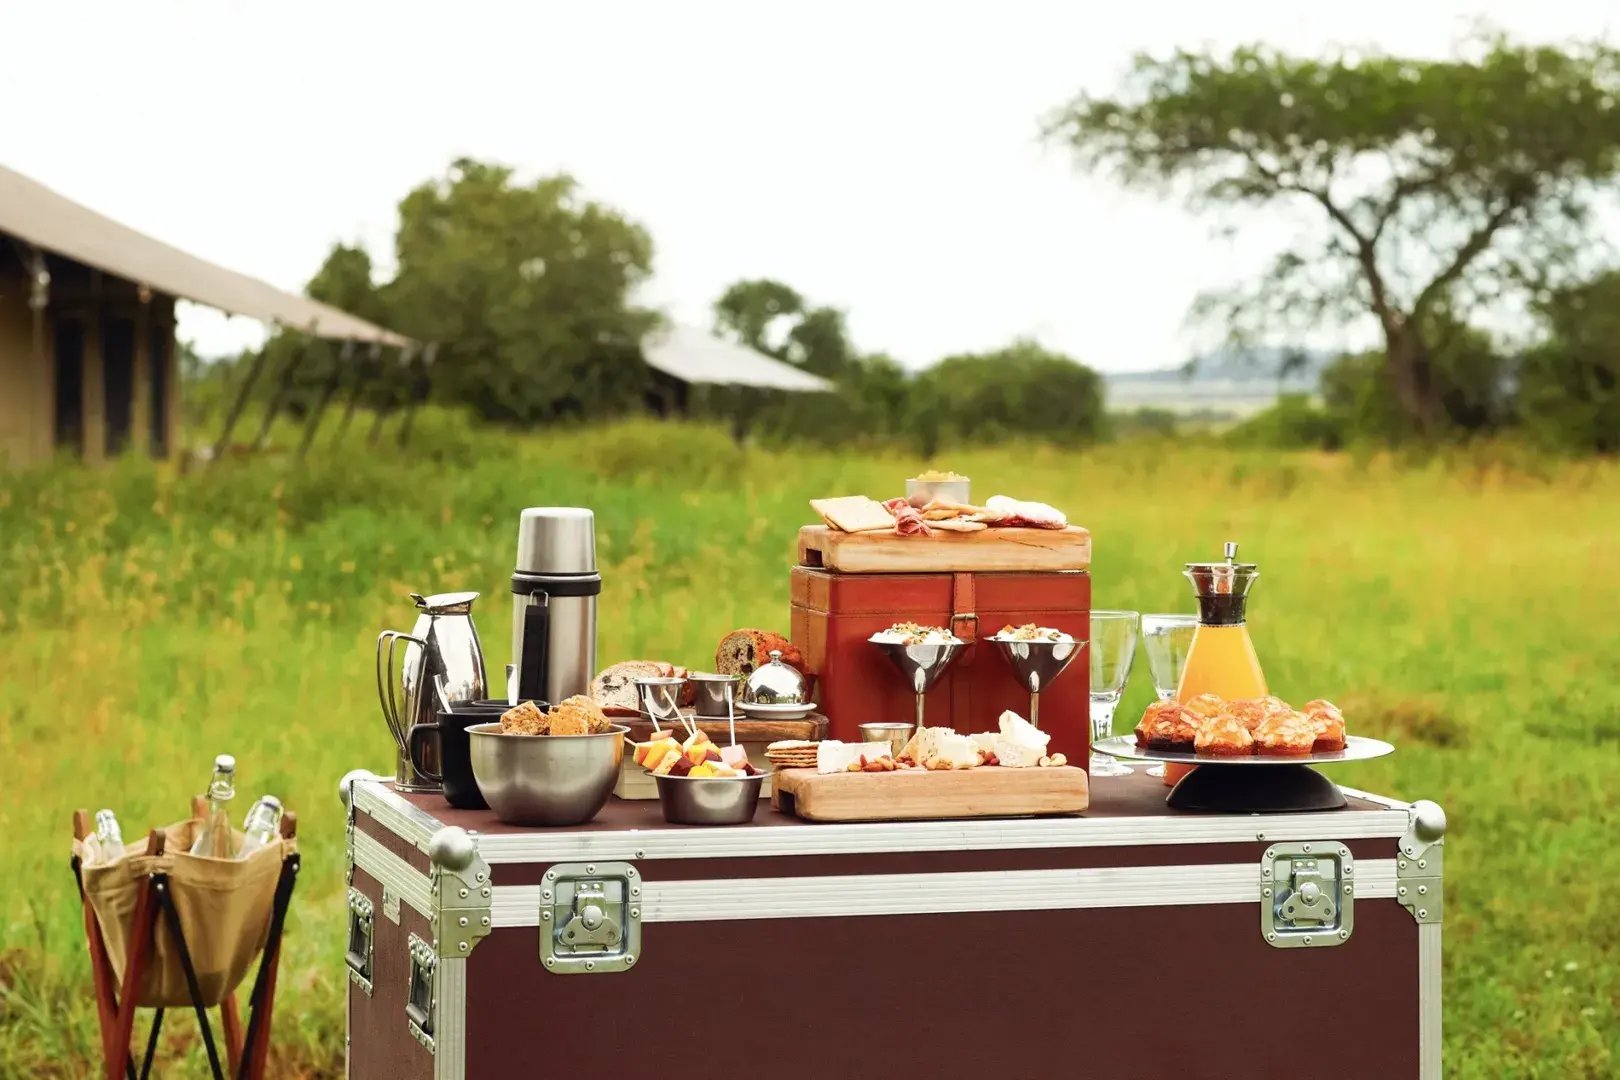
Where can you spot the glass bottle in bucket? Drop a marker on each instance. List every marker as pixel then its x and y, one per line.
pixel 214 836
pixel 109 837
pixel 1221 659
pixel 262 826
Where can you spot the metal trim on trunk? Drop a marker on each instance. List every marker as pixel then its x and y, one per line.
pixel 398 815
pixel 866 838
pixel 394 874
pixel 913 894
pixel 450 1063
pixel 1381 800
pixel 1429 1012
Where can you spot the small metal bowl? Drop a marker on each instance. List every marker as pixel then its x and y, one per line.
pixel 955 491
pixel 709 800
pixel 545 779
pixel 895 735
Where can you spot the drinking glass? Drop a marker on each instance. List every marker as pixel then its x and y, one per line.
pixel 1112 648
pixel 1166 640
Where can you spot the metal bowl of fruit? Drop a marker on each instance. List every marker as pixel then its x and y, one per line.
pixel 700 783
pixel 709 800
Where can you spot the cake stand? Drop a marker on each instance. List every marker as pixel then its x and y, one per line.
pixel 1251 785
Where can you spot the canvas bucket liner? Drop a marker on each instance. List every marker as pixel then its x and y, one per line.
pixel 224 907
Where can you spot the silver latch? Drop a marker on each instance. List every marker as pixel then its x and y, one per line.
pixel 590 917
pixel 1307 894
pixel 357 957
pixel 422 992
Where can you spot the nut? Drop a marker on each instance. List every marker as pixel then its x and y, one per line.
pixel 1046 762
pixel 1059 760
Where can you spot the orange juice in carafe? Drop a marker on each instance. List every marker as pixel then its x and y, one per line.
pixel 1221 659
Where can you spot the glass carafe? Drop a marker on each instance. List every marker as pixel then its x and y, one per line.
pixel 1221 659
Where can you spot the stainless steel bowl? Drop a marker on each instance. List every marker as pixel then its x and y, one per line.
pixel 711 693
pixel 545 779
pixel 955 491
pixel 896 735
pixel 709 800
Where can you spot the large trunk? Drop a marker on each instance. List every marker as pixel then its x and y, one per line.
pixel 1411 376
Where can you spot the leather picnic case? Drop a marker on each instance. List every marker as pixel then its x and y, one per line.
pixel 1132 941
pixel 835 613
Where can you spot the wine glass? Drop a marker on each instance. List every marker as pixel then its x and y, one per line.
pixel 1113 647
pixel 1166 640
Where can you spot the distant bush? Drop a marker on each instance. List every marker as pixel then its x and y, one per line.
pixel 1294 421
pixel 1569 387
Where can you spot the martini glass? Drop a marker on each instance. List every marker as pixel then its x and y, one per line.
pixel 1037 663
pixel 1112 647
pixel 922 665
pixel 1166 640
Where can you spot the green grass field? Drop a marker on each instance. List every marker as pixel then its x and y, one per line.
pixel 1464 609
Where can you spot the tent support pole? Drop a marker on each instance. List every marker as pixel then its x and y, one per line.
pixel 419 386
pixel 280 397
pixel 239 404
pixel 327 390
pixel 368 368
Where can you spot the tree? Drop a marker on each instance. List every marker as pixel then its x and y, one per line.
pixel 1437 183
pixel 748 310
pixel 526 288
pixel 1021 391
pixel 1569 387
pixel 775 319
pixel 1472 381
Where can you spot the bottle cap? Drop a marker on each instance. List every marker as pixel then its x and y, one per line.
pixel 225 763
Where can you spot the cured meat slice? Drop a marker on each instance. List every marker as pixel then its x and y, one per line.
pixel 908 520
pixel 1011 513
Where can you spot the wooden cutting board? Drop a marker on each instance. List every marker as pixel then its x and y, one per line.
pixel 916 794
pixel 990 550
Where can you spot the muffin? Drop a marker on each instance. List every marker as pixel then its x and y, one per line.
pixel 1206 706
pixel 1223 736
pixel 1329 723
pixel 1285 734
pixel 1167 725
pixel 1254 710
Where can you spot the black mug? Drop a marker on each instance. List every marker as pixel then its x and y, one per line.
pixel 449 731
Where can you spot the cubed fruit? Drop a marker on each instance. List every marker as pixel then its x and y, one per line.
pixel 720 768
pixel 700 770
pixel 711 754
pixel 682 766
pixel 666 764
pixel 697 738
pixel 735 756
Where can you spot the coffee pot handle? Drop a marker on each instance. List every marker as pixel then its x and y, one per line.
pixel 386 682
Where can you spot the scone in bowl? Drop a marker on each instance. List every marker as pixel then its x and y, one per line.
pixel 545 779
pixel 709 800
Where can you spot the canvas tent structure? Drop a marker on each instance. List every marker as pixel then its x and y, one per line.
pixel 681 357
pixel 87 358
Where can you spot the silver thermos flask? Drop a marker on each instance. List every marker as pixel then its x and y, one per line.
pixel 554 590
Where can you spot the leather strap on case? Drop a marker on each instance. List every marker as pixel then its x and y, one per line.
pixel 965 625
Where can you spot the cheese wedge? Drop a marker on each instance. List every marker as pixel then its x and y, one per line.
pixel 853 513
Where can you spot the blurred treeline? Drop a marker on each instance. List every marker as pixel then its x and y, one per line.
pixel 1442 196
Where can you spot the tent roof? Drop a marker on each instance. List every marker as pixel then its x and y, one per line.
pixel 696 356
pixel 35 213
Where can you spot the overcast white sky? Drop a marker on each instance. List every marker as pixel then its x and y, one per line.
pixel 880 157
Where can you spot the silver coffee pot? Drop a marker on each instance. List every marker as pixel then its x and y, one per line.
pixel 443 657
